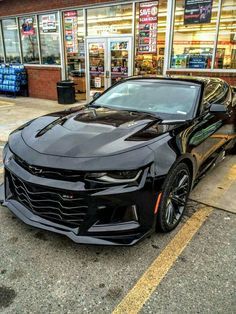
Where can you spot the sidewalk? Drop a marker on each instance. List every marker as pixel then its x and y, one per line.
pixel 17 111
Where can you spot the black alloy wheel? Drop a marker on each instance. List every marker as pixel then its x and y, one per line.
pixel 174 198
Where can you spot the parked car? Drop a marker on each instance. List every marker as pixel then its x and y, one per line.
pixel 123 166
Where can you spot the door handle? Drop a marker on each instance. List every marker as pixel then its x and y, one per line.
pixel 107 75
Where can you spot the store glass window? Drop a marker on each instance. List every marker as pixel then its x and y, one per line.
pixel 194 34
pixel 74 29
pixel 28 30
pixel 150 37
pixel 11 40
pixel 116 19
pixel 49 38
pixel 1 47
pixel 226 47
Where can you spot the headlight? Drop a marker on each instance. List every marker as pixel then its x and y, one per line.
pixel 115 176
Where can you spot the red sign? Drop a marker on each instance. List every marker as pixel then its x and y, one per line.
pixel 70 13
pixel 148 27
pixel 148 12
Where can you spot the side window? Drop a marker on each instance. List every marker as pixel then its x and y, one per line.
pixel 217 92
pixel 210 93
pixel 229 95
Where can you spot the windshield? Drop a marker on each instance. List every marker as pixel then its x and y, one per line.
pixel 167 99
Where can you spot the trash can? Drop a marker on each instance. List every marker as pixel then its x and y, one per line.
pixel 66 92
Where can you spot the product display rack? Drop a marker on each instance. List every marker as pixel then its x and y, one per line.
pixel 13 79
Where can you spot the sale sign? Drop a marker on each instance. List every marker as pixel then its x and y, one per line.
pixel 148 12
pixel 71 29
pixel 148 27
pixel 49 23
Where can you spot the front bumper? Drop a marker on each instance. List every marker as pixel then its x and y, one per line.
pixel 94 229
pixel 29 218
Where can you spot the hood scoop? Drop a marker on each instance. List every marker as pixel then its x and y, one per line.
pixel 59 121
pixel 150 131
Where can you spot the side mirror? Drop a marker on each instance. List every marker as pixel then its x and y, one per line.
pixel 216 108
pixel 96 95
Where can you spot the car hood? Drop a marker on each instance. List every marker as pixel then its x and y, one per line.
pixel 89 132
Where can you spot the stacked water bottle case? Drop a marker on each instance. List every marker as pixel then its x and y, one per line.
pixel 13 78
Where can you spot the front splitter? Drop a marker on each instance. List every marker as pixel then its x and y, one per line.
pixel 29 218
pixel 2 197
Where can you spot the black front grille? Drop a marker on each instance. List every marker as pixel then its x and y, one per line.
pixel 56 205
pixel 51 173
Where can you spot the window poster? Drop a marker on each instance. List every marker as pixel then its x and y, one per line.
pixel 27 27
pixel 49 23
pixel 71 26
pixel 148 27
pixel 119 45
pixel 197 11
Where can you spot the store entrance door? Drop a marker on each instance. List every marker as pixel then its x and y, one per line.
pixel 108 61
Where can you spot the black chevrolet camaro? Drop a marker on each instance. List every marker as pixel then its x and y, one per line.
pixel 122 166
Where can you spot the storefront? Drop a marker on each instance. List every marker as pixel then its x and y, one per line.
pixel 96 43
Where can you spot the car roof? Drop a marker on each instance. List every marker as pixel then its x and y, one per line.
pixel 181 78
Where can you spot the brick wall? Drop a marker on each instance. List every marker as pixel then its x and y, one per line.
pixel 14 7
pixel 229 77
pixel 42 82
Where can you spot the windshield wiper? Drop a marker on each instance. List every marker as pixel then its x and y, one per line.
pixel 98 106
pixel 151 114
pixel 146 113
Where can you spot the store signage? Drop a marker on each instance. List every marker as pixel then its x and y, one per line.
pixel 49 23
pixel 97 82
pixel 70 13
pixel 27 27
pixel 179 61
pixel 119 45
pixel 148 27
pixel 119 70
pixel 197 11
pixel 96 69
pixel 198 62
pixel 71 27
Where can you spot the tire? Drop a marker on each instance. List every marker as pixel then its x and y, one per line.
pixel 173 201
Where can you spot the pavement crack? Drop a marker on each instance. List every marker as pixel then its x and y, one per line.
pixel 209 205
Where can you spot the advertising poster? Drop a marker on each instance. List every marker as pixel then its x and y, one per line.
pixel 97 82
pixel 27 27
pixel 148 27
pixel 71 40
pixel 49 23
pixel 119 45
pixel 198 62
pixel 197 11
pixel 179 61
pixel 119 56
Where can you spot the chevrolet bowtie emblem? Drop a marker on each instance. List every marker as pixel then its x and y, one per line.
pixel 35 170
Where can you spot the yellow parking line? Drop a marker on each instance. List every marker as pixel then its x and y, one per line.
pixel 3 102
pixel 146 285
pixel 6 106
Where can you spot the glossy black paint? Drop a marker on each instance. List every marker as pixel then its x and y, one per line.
pixel 46 163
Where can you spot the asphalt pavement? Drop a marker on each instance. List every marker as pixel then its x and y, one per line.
pixel 41 272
